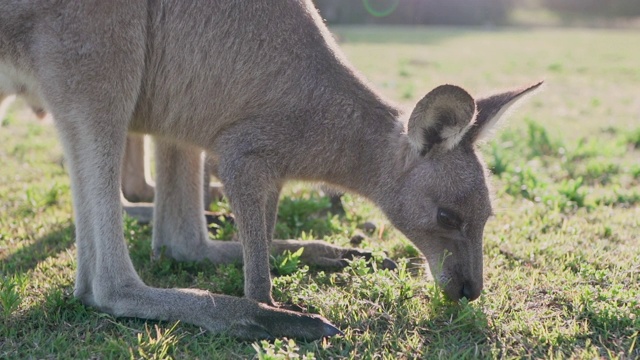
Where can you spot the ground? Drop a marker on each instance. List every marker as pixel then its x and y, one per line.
pixel 561 253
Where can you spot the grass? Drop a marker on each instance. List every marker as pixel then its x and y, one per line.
pixel 561 254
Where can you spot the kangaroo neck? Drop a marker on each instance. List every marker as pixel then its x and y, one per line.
pixel 363 138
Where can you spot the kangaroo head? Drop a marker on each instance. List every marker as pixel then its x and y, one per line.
pixel 443 202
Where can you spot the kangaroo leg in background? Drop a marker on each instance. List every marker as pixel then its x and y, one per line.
pixel 138 194
pixel 212 191
pixel 179 225
pixel 135 187
pixel 335 197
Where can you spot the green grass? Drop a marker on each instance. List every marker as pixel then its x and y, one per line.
pixel 561 254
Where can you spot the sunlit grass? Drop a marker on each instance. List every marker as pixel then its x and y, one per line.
pixel 561 254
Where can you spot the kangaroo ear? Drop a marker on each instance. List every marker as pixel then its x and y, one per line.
pixel 493 108
pixel 441 119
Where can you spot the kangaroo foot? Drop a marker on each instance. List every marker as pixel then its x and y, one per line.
pixel 324 255
pixel 271 323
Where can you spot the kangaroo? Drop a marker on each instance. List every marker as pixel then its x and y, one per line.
pixel 263 88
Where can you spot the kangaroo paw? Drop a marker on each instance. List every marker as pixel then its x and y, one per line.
pixel 321 254
pixel 351 254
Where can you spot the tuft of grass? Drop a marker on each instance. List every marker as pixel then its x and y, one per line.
pixel 403 70
pixel 10 298
pixel 497 160
pixel 7 120
pixel 306 214
pixel 555 67
pixel 408 91
pixel 280 350
pixel 572 192
pixel 635 171
pixel 287 262
pixel 524 182
pixel 633 138
pixel 157 344
pixel 592 148
pixel 601 172
pixel 539 142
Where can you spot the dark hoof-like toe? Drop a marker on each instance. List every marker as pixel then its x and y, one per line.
pixel 352 254
pixel 357 239
pixel 291 307
pixel 389 264
pixel 336 205
pixel 330 330
pixel 217 219
pixel 369 227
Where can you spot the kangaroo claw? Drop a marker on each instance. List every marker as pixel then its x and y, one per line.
pixel 351 254
pixel 291 307
pixel 389 264
pixel 330 330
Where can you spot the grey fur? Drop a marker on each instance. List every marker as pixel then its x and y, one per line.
pixel 262 87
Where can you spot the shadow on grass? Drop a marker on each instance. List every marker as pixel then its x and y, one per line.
pixel 60 326
pixel 456 331
pixel 28 257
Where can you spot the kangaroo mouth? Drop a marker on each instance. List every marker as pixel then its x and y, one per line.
pixel 456 288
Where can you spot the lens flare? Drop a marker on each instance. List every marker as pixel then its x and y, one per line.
pixel 378 10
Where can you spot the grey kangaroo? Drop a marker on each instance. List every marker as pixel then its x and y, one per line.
pixel 260 85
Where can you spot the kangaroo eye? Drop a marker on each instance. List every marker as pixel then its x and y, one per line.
pixel 448 219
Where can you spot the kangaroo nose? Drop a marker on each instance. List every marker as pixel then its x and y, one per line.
pixel 470 292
